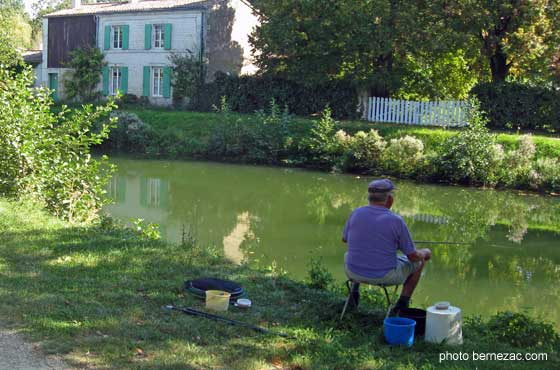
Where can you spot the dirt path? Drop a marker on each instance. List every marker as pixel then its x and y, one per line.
pixel 15 354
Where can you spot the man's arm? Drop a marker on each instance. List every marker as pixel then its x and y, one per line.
pixel 406 245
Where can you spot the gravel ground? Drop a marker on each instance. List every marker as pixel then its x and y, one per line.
pixel 15 354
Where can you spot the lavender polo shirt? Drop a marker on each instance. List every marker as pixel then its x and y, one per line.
pixel 374 234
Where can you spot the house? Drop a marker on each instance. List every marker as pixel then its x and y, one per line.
pixel 138 37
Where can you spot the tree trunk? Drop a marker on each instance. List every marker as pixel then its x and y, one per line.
pixel 498 65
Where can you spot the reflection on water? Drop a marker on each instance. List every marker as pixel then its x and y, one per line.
pixel 285 215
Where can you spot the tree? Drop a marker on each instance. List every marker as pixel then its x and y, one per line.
pixel 188 75
pixel 370 42
pixel 15 30
pixel 87 64
pixel 516 38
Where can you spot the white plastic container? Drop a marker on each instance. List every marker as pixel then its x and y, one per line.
pixel 444 324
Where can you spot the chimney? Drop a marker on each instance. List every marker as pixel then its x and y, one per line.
pixel 76 4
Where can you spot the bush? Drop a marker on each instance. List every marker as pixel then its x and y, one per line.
pixel 518 106
pixel 404 156
pixel 130 133
pixel 522 331
pixel 518 163
pixel 46 155
pixel 87 64
pixel 248 94
pixel 319 275
pixel 471 157
pixel 318 147
pixel 364 153
pixel 546 174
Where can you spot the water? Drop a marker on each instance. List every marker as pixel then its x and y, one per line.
pixel 285 216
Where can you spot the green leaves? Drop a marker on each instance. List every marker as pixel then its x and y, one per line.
pixel 87 64
pixel 46 155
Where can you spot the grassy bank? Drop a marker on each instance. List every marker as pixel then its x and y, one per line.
pixel 94 294
pixel 200 125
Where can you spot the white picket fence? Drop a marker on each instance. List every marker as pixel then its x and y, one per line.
pixel 439 113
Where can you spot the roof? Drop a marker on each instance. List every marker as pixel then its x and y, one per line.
pixel 130 7
pixel 33 57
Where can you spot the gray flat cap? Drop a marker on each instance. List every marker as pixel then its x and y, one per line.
pixel 381 186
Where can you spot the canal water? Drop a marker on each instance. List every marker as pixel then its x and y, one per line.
pixel 287 216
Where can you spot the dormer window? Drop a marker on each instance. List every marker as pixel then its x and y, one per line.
pixel 117 37
pixel 158 36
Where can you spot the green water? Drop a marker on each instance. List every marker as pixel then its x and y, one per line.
pixel 286 216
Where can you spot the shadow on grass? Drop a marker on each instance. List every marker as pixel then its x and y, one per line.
pixel 96 295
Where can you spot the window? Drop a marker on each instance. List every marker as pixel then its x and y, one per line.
pixel 158 36
pixel 117 37
pixel 153 196
pixel 115 80
pixel 157 81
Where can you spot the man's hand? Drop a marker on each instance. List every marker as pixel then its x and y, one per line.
pixel 420 255
pixel 426 254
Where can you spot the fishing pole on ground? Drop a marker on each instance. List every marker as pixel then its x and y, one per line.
pixel 193 312
pixel 445 243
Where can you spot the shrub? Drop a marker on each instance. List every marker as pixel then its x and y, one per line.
pixel 318 148
pixel 404 156
pixel 87 64
pixel 247 94
pixel 546 174
pixel 519 106
pixel 270 135
pixel 471 157
pixel 364 152
pixel 46 155
pixel 188 72
pixel 319 275
pixel 522 331
pixel 130 133
pixel 518 163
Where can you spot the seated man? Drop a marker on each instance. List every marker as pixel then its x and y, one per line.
pixel 374 234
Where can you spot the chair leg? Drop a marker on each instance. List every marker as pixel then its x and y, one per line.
pixel 350 285
pixel 346 305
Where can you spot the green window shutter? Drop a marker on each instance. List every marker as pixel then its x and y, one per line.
pixel 163 194
pixel 124 80
pixel 107 43
pixel 105 81
pixel 146 84
pixel 166 82
pixel 167 36
pixel 148 36
pixel 143 192
pixel 125 37
pixel 121 189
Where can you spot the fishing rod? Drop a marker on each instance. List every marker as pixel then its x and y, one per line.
pixel 206 315
pixel 447 243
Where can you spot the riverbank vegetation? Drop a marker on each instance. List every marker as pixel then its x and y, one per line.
pixel 94 293
pixel 45 156
pixel 472 156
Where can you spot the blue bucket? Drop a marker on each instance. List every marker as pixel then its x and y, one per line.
pixel 399 331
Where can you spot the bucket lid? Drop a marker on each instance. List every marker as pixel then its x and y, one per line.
pixel 444 305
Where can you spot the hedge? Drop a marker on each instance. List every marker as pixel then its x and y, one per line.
pixel 519 106
pixel 247 94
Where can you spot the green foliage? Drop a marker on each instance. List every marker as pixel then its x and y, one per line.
pixel 46 156
pixel 87 64
pixel 404 156
pixel 471 157
pixel 520 106
pixel 248 94
pixel 364 153
pixel 188 75
pixel 319 275
pixel 522 331
pixel 468 155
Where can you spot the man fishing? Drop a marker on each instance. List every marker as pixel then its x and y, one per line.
pixel 374 234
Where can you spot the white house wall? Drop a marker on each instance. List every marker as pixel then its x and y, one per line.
pixel 185 35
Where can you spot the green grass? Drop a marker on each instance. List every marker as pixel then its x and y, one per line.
pixel 197 124
pixel 94 293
